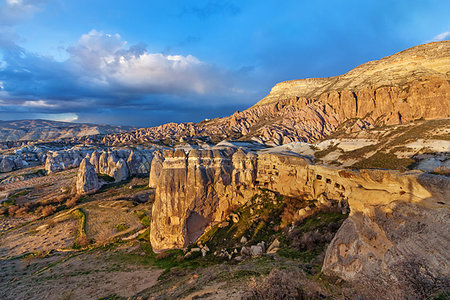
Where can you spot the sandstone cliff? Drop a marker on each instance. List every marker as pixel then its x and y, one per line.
pixel 196 190
pixel 406 86
pixel 392 214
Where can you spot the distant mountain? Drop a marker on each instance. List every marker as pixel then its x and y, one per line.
pixel 407 86
pixel 45 130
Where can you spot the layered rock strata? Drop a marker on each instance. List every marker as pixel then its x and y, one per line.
pixel 392 214
pixel 196 190
pixel 406 86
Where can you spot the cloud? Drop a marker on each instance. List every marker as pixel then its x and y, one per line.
pixel 103 60
pixel 16 11
pixel 103 72
pixel 441 36
pixel 38 103
pixel 13 12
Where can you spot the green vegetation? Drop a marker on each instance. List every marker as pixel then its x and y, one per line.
pixel 106 178
pixel 20 193
pixel 81 240
pixel 122 227
pixel 143 217
pixel 381 160
pixel 260 226
pixel 325 152
pixel 358 153
pixel 165 260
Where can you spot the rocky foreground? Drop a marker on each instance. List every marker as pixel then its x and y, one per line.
pixel 341 179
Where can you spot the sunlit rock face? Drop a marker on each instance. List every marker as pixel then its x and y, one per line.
pixel 196 190
pixel 409 85
pixel 397 234
pixel 396 219
pixel 87 180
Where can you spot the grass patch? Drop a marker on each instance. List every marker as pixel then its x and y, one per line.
pixel 144 218
pixel 21 193
pixel 106 178
pixel 257 227
pixel 166 260
pixel 381 160
pixel 81 241
pixel 358 153
pixel 122 227
pixel 325 152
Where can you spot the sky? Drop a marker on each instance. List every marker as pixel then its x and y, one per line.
pixel 147 62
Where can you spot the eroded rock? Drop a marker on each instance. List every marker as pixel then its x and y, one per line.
pixel 87 180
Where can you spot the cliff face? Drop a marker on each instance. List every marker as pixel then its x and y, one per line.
pixel 196 190
pixel 395 217
pixel 406 86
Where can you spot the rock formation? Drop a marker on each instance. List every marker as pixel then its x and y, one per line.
pixel 392 213
pixel 396 235
pixel 119 164
pixel 155 169
pixel 87 180
pixel 406 86
pixel 196 190
pixel 7 164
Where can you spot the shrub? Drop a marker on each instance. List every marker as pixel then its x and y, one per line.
pixel 279 284
pixel 72 202
pixel 162 255
pixel 21 211
pixel 48 210
pixel 12 210
pixel 122 227
pixel 83 241
pixel 3 210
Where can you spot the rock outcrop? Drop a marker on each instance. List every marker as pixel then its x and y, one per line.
pixel 396 235
pixel 155 168
pixel 87 180
pixel 406 86
pixel 195 191
pixel 119 164
pixel 392 213
pixel 63 159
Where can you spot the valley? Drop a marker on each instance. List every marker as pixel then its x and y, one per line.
pixel 333 188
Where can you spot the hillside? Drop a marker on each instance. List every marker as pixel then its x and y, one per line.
pixel 45 130
pixel 407 86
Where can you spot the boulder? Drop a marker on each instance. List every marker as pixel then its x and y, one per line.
pixel 274 247
pixel 7 164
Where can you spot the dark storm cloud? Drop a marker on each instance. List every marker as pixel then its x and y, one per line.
pixel 102 72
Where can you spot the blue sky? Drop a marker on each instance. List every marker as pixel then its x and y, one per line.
pixel 144 63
